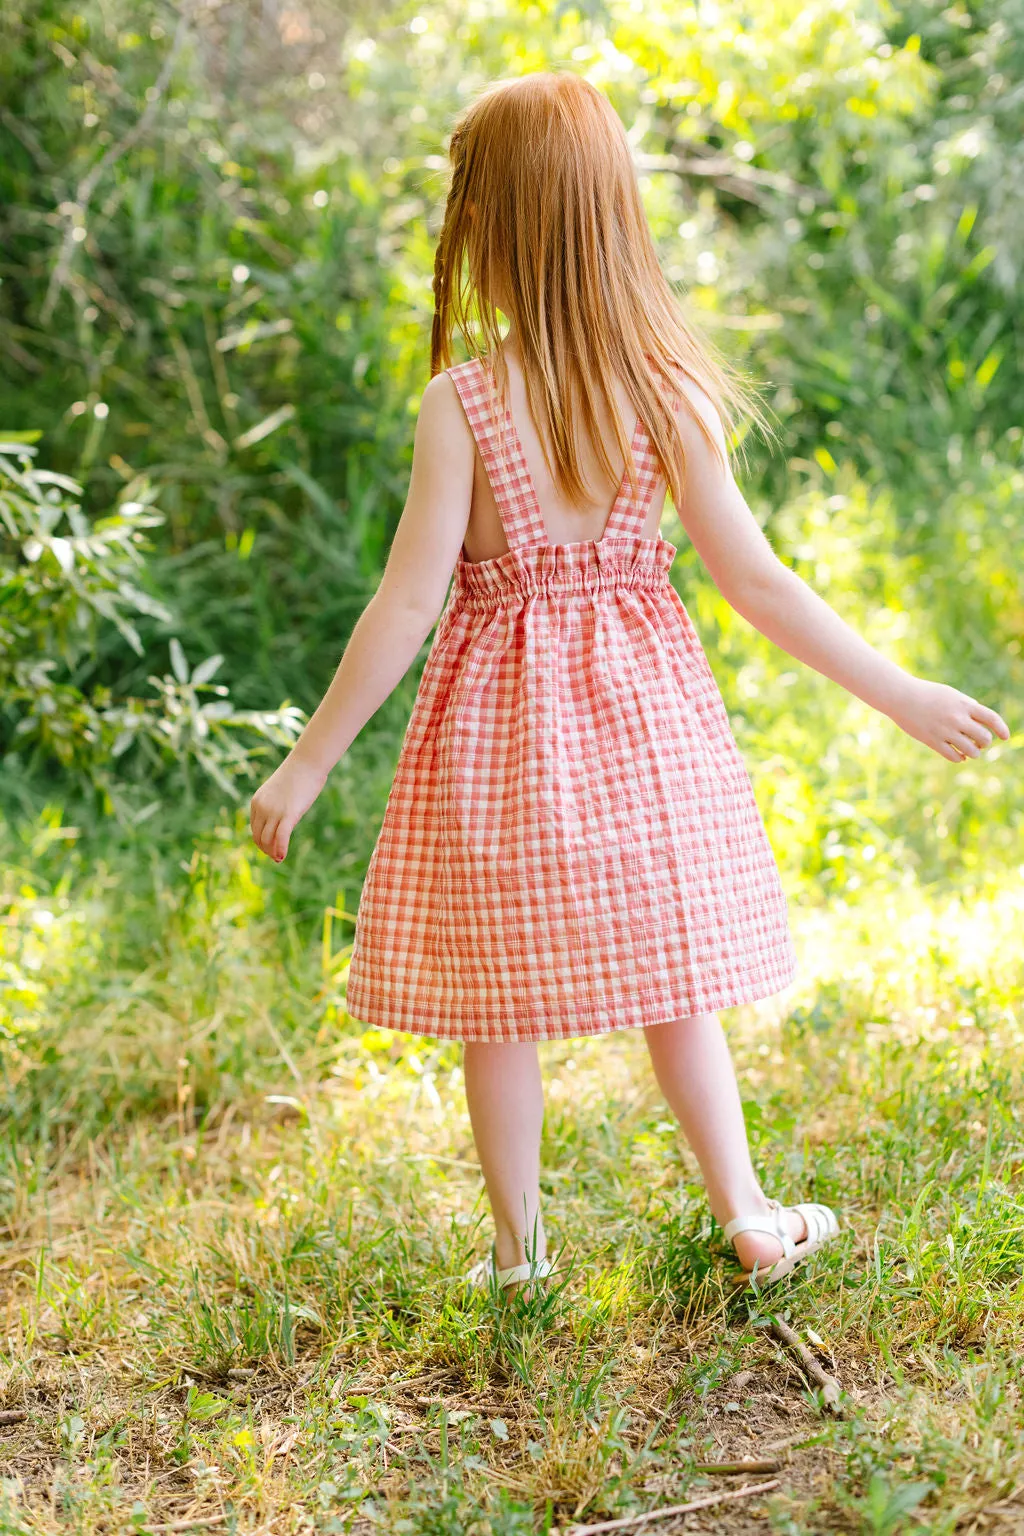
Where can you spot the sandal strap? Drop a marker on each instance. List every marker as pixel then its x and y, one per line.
pixel 535 1270
pixel 770 1223
pixel 485 1270
pixel 821 1220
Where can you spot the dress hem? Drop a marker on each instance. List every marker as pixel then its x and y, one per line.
pixel 539 1034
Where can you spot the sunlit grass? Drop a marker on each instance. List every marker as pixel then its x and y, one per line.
pixel 235 1227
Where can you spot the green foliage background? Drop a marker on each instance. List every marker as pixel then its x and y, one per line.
pixel 217 230
pixel 228 1282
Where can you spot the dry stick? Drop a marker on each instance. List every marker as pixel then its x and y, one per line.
pixel 830 1388
pixel 13 1416
pixel 726 1468
pixel 189 1525
pixel 670 1509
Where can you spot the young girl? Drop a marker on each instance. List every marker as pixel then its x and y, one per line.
pixel 571 844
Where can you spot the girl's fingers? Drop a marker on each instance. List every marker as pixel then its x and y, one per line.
pixel 965 743
pixel 278 846
pixel 947 750
pixel 271 831
pixel 977 733
pixel 262 825
pixel 989 717
pixel 269 844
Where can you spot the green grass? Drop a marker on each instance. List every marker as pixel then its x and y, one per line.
pixel 235 1221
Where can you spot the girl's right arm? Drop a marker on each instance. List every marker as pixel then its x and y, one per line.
pixel 396 621
pixel 780 604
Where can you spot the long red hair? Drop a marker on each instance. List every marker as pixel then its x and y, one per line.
pixel 544 208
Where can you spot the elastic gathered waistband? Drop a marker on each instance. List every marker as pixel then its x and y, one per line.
pixel 583 569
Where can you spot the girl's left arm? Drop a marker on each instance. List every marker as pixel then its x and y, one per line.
pixel 396 621
pixel 779 603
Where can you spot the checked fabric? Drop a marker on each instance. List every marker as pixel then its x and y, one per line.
pixel 571 843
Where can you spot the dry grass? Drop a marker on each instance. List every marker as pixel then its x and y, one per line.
pixel 234 1304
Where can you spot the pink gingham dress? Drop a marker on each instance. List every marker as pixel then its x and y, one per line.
pixel 571 844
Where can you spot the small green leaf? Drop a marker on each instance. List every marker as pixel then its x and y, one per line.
pixel 206 669
pixel 65 482
pixel 179 664
pixel 205 1405
pixel 64 552
pixel 986 373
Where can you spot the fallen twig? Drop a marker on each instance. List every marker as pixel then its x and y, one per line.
pixel 670 1509
pixel 727 1468
pixel 830 1388
pixel 12 1415
pixel 187 1525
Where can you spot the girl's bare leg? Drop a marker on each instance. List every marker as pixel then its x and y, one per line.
pixel 506 1110
pixel 694 1070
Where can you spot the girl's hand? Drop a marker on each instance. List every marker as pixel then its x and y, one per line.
pixel 950 722
pixel 281 802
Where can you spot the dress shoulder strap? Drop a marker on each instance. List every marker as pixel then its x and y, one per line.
pixel 515 494
pixel 502 454
pixel 628 517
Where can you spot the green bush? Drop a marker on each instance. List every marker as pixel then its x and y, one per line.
pixel 65 579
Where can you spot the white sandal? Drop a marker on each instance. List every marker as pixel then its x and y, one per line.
pixel 482 1274
pixel 822 1224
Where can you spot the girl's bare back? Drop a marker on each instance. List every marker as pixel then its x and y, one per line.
pixel 565 523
